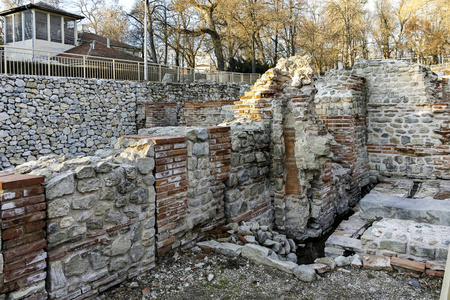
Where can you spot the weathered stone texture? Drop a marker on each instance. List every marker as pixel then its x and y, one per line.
pixel 73 117
pixel 207 113
pixel 341 104
pixel 308 192
pixel 100 217
pixel 192 164
pixel 407 119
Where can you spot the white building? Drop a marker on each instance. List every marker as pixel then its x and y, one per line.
pixel 40 26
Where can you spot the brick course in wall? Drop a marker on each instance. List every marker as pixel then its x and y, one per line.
pixel 207 113
pixel 171 187
pixel 23 255
pixel 408 115
pixel 160 114
pixel 220 157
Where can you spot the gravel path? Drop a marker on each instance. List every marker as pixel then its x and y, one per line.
pixel 219 277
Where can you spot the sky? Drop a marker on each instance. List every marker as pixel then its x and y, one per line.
pixel 127 4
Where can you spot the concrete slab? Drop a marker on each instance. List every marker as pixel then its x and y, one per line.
pixel 431 211
pixel 407 239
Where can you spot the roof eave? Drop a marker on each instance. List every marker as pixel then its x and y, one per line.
pixel 31 6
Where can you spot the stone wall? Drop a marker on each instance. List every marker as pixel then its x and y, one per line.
pixel 160 114
pixel 407 119
pixel 341 104
pixel 186 93
pixel 100 219
pixel 306 190
pixel 248 195
pixel 208 113
pixel 75 117
pixel 192 164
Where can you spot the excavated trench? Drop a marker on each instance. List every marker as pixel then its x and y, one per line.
pixel 313 248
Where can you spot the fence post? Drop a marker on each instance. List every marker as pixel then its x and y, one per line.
pixel 114 69
pixel 139 71
pixel 84 66
pixel 159 73
pixel 49 66
pixel 6 61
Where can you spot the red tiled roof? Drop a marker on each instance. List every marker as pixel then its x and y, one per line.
pixel 102 50
pixel 87 37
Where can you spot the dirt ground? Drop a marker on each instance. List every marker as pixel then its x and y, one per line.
pixel 189 277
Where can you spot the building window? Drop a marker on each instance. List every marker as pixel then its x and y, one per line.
pixel 18 27
pixel 28 17
pixel 9 29
pixel 41 26
pixel 69 31
pixel 55 29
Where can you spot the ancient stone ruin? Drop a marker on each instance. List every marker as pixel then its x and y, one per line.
pixel 110 175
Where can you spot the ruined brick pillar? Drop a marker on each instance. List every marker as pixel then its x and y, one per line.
pixel 160 114
pixel 23 238
pixel 341 104
pixel 220 154
pixel 171 188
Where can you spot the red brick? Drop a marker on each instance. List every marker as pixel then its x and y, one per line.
pixel 52 256
pixel 434 273
pixel 11 213
pixel 12 181
pixel 165 147
pixel 34 226
pixel 28 248
pixel 374 262
pixel 22 202
pixel 12 233
pixel 33 191
pixel 166 242
pixel 10 276
pixel 114 228
pixel 26 219
pixel 35 207
pixel 407 264
pixel 25 239
pixel 176 191
pixel 10 194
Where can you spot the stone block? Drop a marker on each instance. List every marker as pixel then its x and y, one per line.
pixel 374 262
pixel 228 249
pixel 422 251
pixel 88 185
pixel 395 246
pixel 305 273
pixel 377 206
pixel 63 184
pixel 58 208
pixel 76 265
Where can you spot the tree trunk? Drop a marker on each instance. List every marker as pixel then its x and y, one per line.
pixel 262 57
pixel 253 54
pixel 218 50
pixel 275 56
pixel 152 41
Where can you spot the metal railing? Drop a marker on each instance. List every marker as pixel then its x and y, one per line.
pixel 22 61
